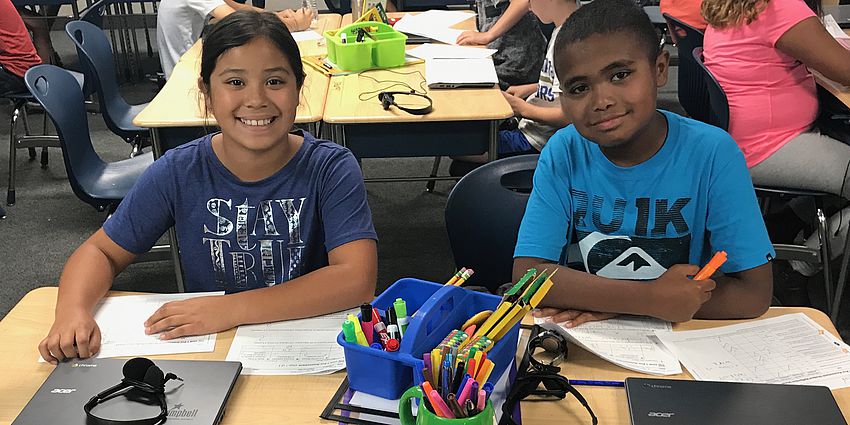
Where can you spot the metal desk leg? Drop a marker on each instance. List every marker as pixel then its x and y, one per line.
pixel 172 234
pixel 2 213
pixel 842 280
pixel 493 152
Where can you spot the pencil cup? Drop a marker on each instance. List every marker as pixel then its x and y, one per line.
pixel 427 417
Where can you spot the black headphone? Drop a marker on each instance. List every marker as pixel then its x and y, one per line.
pixel 387 99
pixel 143 382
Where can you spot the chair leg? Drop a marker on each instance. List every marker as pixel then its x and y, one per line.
pixel 2 213
pixel 430 186
pixel 13 141
pixel 823 236
pixel 842 280
pixel 135 147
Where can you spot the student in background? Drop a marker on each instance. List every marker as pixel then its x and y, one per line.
pixel 274 217
pixel 687 11
pixel 17 53
pixel 646 195
pixel 38 22
pixel 536 105
pixel 760 51
pixel 179 24
pixel 508 27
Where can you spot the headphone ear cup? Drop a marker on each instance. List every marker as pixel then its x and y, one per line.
pixel 386 100
pixel 154 377
pixel 137 368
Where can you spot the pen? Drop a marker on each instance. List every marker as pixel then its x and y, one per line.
pixel 366 322
pixel 438 403
pixel 342 38
pixel 348 331
pixel 712 266
pixel 596 383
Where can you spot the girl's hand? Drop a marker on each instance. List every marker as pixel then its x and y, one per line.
pixel 196 316
pixel 473 38
pixel 572 318
pixel 73 334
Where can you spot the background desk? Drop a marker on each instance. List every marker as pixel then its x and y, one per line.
pixel 464 121
pixel 299 399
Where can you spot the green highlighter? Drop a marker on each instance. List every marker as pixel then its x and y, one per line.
pixel 401 314
pixel 348 332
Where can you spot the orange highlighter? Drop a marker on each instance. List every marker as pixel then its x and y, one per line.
pixel 712 266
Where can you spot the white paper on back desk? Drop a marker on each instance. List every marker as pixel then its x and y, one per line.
pixel 290 347
pixel 434 24
pixel 789 349
pixel 626 341
pixel 121 321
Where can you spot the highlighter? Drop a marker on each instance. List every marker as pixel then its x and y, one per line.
pixel 348 331
pixel 716 261
pixel 401 314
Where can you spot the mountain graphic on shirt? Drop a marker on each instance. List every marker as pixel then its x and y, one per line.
pixel 631 257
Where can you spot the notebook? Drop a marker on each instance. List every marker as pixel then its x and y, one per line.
pixel 198 400
pixel 841 13
pixel 675 402
pixel 450 73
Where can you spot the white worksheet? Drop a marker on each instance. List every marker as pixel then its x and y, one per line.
pixel 626 341
pixel 291 347
pixel 431 51
pixel 121 321
pixel 434 24
pixel 306 35
pixel 789 349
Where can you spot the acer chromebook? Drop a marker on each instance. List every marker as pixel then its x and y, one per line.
pixel 675 402
pixel 199 400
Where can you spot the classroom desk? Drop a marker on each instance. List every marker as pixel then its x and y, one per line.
pixel 300 399
pixel 840 91
pixel 464 121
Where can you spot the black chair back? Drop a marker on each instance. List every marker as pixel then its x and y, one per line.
pixel 691 86
pixel 60 95
pixel 94 13
pixel 97 62
pixel 718 114
pixel 483 214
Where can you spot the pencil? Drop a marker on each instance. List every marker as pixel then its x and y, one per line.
pixel 456 276
pixel 712 266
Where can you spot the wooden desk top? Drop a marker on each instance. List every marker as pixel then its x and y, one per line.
pixel 179 103
pixel 300 399
pixel 343 105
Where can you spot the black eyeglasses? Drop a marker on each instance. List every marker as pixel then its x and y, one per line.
pixel 539 366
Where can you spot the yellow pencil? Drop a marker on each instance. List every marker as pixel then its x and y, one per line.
pixel 456 276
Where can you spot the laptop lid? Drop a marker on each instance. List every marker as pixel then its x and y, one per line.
pixel 198 400
pixel 450 73
pixel 673 402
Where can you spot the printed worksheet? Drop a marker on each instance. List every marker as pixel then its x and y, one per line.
pixel 121 321
pixel 435 24
pixel 291 347
pixel 626 341
pixel 789 349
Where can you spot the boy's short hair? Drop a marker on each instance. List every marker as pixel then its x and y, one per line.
pixel 609 17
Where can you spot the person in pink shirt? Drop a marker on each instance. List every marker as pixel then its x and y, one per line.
pixel 760 51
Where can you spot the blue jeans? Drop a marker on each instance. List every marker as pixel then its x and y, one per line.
pixel 513 142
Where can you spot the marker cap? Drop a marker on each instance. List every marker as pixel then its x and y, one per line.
pixel 400 307
pixel 392 345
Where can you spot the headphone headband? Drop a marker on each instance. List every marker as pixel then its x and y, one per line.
pixel 387 99
pixel 148 390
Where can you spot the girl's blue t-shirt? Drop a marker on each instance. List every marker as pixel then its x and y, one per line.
pixel 236 235
pixel 692 198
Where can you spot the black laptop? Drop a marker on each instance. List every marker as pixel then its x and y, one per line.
pixel 841 13
pixel 198 400
pixel 675 402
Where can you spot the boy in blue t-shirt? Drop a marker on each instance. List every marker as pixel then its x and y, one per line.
pixel 646 195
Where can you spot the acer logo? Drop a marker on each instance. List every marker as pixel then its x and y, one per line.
pixel 62 390
pixel 658 386
pixel 660 414
pixel 83 365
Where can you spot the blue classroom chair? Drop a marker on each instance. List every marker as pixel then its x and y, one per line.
pixel 100 184
pixel 96 59
pixel 692 90
pixel 483 214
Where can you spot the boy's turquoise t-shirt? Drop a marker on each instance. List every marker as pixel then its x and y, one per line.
pixel 692 198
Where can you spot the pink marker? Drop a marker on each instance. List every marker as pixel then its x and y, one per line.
pixel 440 404
pixel 464 393
pixel 482 400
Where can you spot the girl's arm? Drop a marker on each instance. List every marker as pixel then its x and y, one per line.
pixel 347 281
pixel 86 278
pixel 810 43
pixel 515 11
